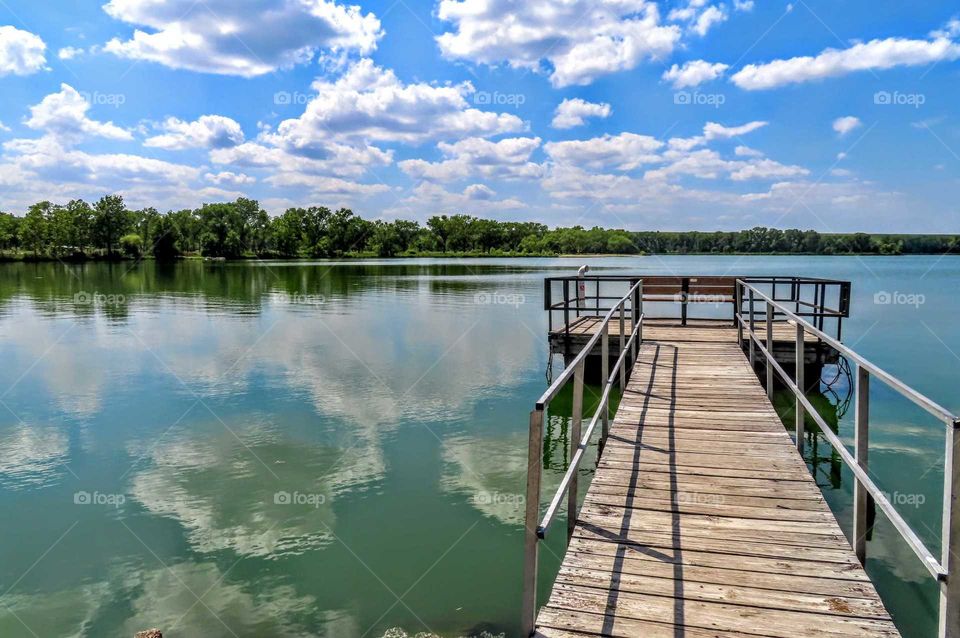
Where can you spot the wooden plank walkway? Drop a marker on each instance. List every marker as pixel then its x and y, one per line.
pixel 588 326
pixel 702 519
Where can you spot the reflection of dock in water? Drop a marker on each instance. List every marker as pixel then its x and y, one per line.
pixel 702 518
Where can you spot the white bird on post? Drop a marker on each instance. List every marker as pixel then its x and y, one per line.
pixel 582 286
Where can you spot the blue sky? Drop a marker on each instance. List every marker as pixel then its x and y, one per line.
pixel 671 115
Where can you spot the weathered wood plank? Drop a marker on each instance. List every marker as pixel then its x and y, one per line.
pixel 701 518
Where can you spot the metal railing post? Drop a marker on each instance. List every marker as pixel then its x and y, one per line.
pixel 605 367
pixel 801 354
pixel 738 311
pixel 949 625
pixel 575 427
pixel 861 445
pixel 635 314
pixel 623 345
pixel 769 350
pixel 753 328
pixel 639 313
pixel 532 515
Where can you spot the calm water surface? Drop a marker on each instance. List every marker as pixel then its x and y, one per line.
pixel 338 449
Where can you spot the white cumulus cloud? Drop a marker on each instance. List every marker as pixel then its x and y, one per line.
pixel 229 178
pixel 574 112
pixel 844 125
pixel 369 103
pixel 506 159
pixel 63 115
pixel 580 39
pixel 712 130
pixel 479 191
pixel 68 53
pixel 694 73
pixel 208 131
pixel 240 38
pixel 708 18
pixel 623 152
pixel 21 52
pixel 865 56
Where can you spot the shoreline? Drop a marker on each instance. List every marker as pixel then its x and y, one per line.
pixel 73 260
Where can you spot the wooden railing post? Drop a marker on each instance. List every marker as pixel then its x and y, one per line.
pixel 605 367
pixel 575 427
pixel 861 445
pixel 753 328
pixel 531 521
pixel 949 626
pixel 769 360
pixel 801 384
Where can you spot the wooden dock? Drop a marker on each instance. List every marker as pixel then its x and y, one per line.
pixel 702 518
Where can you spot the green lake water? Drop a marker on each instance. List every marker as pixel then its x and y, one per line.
pixel 338 449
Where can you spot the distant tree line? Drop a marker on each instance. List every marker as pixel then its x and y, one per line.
pixel 107 229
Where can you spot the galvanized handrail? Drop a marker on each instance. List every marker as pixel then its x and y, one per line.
pixel 949 619
pixel 574 464
pixel 535 531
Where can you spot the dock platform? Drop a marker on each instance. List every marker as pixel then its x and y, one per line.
pixel 702 518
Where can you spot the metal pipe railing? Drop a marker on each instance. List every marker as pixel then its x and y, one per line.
pixel 948 579
pixel 535 528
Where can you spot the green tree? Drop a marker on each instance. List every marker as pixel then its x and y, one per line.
pixel 385 240
pixel 440 227
pixel 166 238
pixel 110 221
pixel 9 231
pixel 81 224
pixel 287 232
pixel 222 230
pixel 132 245
pixel 35 229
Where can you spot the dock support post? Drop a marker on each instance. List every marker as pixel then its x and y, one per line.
pixel 534 471
pixel 950 589
pixel 769 359
pixel 605 366
pixel 861 445
pixel 753 328
pixel 801 385
pixel 575 428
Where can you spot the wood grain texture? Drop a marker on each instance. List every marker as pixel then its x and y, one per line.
pixel 701 518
